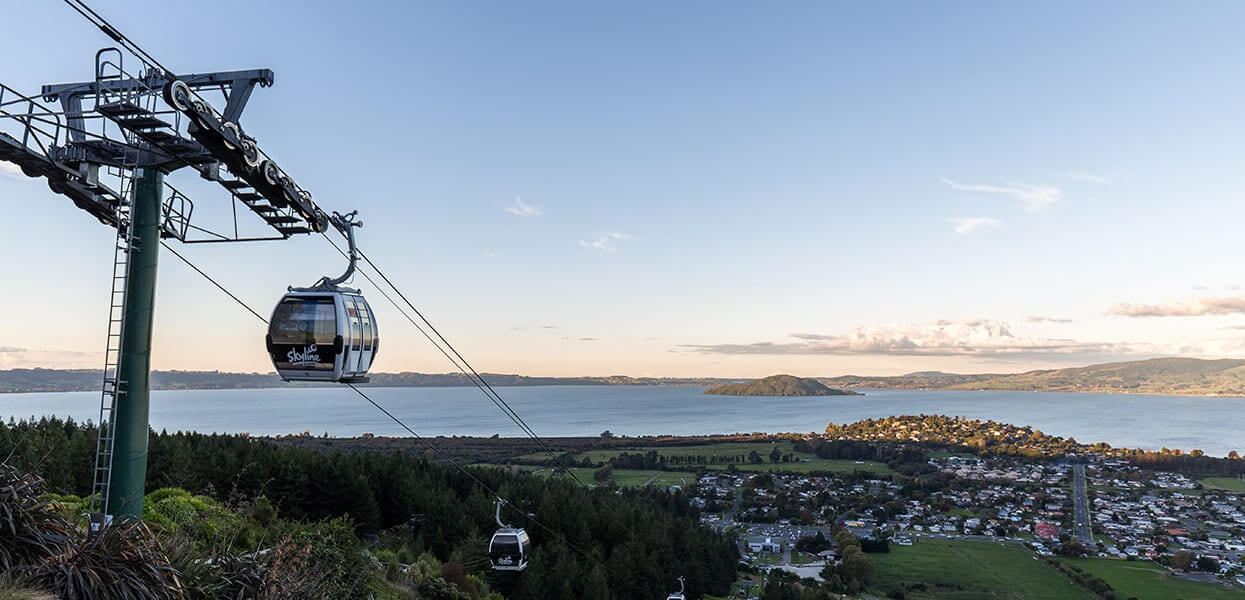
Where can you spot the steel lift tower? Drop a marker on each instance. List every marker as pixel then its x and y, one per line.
pixel 108 144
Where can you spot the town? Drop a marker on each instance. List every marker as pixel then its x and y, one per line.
pixel 1158 516
pixel 801 508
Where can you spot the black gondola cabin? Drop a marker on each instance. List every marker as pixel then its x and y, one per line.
pixel 509 549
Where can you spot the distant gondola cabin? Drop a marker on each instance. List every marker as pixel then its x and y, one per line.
pixel 509 549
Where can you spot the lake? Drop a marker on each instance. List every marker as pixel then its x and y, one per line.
pixel 1214 425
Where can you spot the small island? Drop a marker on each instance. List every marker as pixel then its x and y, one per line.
pixel 779 385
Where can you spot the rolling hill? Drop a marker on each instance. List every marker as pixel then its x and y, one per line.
pixel 1156 376
pixel 1188 376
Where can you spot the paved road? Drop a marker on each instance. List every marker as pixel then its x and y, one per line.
pixel 1080 502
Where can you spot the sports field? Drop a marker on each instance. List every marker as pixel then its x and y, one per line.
pixel 1148 581
pixel 970 570
pixel 805 462
pixel 1231 484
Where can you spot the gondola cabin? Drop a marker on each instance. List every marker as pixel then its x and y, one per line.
pixel 509 549
pixel 679 594
pixel 328 335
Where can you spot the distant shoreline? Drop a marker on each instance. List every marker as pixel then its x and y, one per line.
pixel 863 391
pixel 1190 377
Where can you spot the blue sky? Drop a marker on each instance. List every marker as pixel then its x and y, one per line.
pixel 701 189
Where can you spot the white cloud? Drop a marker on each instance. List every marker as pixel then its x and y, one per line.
pixel 523 209
pixel 1195 307
pixel 967 225
pixel 11 169
pixel 1034 197
pixel 1084 177
pixel 982 338
pixel 605 241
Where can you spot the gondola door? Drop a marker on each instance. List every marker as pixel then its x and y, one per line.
pixel 355 342
pixel 369 335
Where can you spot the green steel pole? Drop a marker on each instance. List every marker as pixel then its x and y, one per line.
pixel 129 454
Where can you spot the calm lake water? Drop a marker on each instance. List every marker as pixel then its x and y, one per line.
pixel 1215 425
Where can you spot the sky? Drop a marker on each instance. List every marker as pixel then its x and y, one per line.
pixel 699 189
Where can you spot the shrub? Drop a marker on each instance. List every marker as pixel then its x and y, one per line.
pixel 208 522
pixel 122 561
pixel 30 529
pixel 389 560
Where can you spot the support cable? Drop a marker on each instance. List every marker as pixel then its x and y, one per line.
pixel 214 282
pixel 99 21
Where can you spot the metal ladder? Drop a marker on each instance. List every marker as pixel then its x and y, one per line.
pixel 113 386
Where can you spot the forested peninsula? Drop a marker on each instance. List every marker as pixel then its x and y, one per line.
pixel 778 385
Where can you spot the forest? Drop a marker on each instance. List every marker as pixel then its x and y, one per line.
pixel 589 543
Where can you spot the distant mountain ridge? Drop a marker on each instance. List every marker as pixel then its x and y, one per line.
pixel 778 385
pixel 1176 375
pixel 1224 377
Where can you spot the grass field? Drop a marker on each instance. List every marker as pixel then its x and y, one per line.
pixel 809 461
pixel 970 570
pixel 717 449
pixel 1148 581
pixel 622 477
pixel 823 464
pixel 1230 484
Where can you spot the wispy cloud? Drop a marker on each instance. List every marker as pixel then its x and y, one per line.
pixel 1046 320
pixel 1034 197
pixel 544 328
pixel 981 338
pixel 12 357
pixel 1083 177
pixel 1194 307
pixel 967 225
pixel 605 241
pixel 523 209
